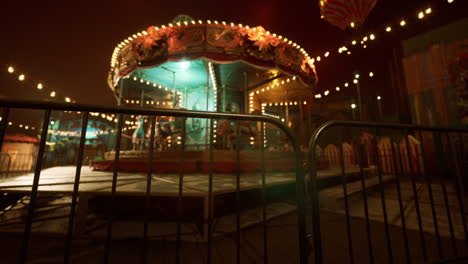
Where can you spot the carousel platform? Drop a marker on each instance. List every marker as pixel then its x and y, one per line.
pixel 224 161
pixel 94 197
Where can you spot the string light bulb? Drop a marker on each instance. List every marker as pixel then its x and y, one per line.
pixel 421 15
pixel 388 29
pixel 21 77
pixel 402 23
pixel 372 36
pixel 428 11
pixel 353 106
pixel 52 94
pixel 352 24
pixel 379 97
pixel 371 74
pixel 40 86
pixel 337 89
pixel 11 69
pixel 67 99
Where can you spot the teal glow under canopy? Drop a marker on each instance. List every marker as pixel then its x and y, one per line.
pixel 183 75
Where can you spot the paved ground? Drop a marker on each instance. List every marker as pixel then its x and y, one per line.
pixel 282 231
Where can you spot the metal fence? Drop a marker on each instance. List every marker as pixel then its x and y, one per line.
pixel 36 190
pixel 407 203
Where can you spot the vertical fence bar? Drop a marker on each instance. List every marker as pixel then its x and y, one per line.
pixel 397 171
pixel 71 220
pixel 113 190
pixel 416 198
pixel 346 202
pixel 148 190
pixel 32 201
pixel 238 170
pixel 3 125
pixel 264 194
pixel 180 194
pixel 366 205
pixel 428 179
pixel 445 173
pixel 382 196
pixel 313 188
pixel 459 183
pixel 210 195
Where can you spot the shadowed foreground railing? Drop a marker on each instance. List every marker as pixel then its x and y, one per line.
pixel 427 171
pixel 77 186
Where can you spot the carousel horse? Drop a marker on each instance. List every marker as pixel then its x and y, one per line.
pixel 138 136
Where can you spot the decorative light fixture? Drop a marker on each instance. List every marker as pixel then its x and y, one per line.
pixel 21 77
pixel 40 86
pixel 353 106
pixel 402 23
pixel 379 97
pixel 388 29
pixel 11 69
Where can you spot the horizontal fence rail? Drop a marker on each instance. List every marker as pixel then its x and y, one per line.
pixel 153 150
pixel 417 210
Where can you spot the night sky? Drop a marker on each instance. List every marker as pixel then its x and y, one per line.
pixel 68 45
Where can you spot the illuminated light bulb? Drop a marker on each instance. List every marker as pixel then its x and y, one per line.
pixel 379 97
pixel 318 58
pixel 290 103
pixel 356 76
pixel 402 23
pixel 11 69
pixel 21 77
pixel 40 86
pixel 326 92
pixel 450 1
pixel 349 52
pixel 340 50
pixel 208 21
pixel 294 78
pixel 365 39
pixel 352 24
pixel 216 22
pixel 326 54
pixel 354 42
pixel 147 82
pixel 52 94
pixel 428 11
pixel 372 36
pixel 67 99
pixel 355 81
pixel 10 123
pixel 337 89
pixel 421 15
pixel 200 22
pixel 371 74
pixel 365 46
pixel 282 82
pixel 126 101
pixel 353 106
pixel 362 42
pixel 178 24
pixel 346 84
pixel 21 125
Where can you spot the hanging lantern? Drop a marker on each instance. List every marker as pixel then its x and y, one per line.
pixel 346 13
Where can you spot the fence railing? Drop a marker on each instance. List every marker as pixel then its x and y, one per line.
pixel 417 216
pixel 76 200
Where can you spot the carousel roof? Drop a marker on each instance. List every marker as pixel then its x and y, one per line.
pixel 158 51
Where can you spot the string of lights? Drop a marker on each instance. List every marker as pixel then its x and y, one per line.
pixel 39 85
pixel 346 84
pixel 367 38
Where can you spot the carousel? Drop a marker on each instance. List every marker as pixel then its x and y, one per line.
pixel 210 66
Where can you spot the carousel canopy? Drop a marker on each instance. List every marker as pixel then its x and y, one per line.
pixel 180 55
